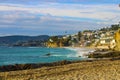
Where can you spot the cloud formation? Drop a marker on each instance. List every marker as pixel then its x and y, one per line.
pixel 58 1
pixel 56 17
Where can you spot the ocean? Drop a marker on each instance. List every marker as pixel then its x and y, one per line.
pixel 23 55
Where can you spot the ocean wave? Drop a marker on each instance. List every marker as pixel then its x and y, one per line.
pixel 68 55
pixel 80 52
pixel 58 55
pixel 70 48
pixel 33 47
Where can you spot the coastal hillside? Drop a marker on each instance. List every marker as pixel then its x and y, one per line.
pixel 102 38
pixel 17 38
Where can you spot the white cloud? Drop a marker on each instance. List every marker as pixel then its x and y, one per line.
pixel 101 12
pixel 53 16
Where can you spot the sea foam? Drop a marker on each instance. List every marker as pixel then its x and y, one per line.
pixel 80 52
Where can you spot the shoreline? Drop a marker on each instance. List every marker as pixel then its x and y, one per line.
pixel 17 67
pixel 92 68
pixel 87 70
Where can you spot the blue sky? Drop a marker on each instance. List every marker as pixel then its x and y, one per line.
pixel 54 17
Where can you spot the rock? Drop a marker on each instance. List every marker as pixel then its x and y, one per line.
pixel 48 54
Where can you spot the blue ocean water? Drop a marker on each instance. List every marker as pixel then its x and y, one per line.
pixel 22 55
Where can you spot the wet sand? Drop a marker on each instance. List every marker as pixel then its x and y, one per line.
pixel 92 70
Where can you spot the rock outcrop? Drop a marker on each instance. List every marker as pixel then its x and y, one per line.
pixel 117 40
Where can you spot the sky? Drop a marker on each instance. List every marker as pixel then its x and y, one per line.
pixel 55 17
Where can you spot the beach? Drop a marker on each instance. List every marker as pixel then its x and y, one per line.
pixel 86 70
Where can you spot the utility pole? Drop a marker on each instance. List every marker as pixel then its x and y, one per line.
pixel 119 21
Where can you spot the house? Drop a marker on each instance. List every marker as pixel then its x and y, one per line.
pixel 112 44
pixel 106 40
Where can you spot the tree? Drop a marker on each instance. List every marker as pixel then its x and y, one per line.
pixel 79 35
pixel 54 38
pixel 115 27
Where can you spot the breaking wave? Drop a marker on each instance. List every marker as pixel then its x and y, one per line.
pixel 80 52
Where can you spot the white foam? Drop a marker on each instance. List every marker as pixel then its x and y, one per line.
pixel 57 55
pixel 68 55
pixel 33 47
pixel 70 48
pixel 80 51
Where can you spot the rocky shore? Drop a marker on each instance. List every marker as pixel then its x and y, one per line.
pixel 104 53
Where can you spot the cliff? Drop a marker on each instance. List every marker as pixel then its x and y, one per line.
pixel 53 44
pixel 117 40
pixel 8 40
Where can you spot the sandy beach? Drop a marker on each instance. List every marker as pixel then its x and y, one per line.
pixel 92 70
